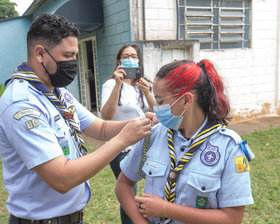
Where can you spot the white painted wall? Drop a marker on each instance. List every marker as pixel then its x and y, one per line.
pixel 251 75
pixel 160 19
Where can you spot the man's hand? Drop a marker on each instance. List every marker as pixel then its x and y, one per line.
pixel 152 117
pixel 135 130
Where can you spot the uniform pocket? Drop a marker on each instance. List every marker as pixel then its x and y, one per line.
pixel 155 177
pixel 202 189
pixel 204 182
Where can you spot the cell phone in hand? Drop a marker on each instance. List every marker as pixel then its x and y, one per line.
pixel 133 73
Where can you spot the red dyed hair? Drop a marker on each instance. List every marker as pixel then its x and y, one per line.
pixel 184 76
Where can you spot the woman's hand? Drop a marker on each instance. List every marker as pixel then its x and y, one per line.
pixel 119 74
pixel 151 206
pixel 144 85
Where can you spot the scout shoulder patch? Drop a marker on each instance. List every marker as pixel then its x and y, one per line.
pixel 241 164
pixel 33 123
pixel 26 112
pixel 210 155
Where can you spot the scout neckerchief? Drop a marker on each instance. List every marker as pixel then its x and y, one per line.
pixel 25 72
pixel 170 186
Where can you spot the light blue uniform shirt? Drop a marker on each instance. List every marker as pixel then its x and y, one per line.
pixel 32 132
pixel 209 180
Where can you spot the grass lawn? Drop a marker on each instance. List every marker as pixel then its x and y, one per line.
pixel 265 175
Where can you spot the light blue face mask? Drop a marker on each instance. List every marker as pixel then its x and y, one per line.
pixel 130 63
pixel 164 115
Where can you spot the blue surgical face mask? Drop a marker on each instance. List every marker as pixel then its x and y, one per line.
pixel 164 115
pixel 130 63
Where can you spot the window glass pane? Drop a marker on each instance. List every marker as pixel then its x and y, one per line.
pixel 247 16
pixel 202 37
pixel 216 16
pixel 231 37
pixel 246 44
pixel 198 12
pixel 199 29
pixel 181 2
pixel 247 33
pixel 216 33
pixel 216 3
pixel 217 24
pixel 226 3
pixel 232 29
pixel 199 20
pixel 182 32
pixel 248 3
pixel 205 46
pixel 215 46
pixel 198 2
pixel 226 12
pixel 181 16
pixel 231 21
pixel 231 45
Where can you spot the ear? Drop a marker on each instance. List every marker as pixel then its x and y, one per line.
pixel 38 53
pixel 188 100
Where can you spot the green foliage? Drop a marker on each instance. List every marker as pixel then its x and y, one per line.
pixel 265 180
pixel 2 89
pixel 265 177
pixel 7 9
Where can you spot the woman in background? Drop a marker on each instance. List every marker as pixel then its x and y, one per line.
pixel 124 98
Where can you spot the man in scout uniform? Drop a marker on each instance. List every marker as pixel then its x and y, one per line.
pixel 45 162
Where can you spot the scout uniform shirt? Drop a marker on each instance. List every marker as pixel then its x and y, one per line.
pixel 32 132
pixel 214 177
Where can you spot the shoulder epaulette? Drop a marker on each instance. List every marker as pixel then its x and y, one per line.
pixel 232 134
pixel 20 90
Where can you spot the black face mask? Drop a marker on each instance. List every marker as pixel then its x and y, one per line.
pixel 65 73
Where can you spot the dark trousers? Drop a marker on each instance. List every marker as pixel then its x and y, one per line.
pixel 115 166
pixel 14 220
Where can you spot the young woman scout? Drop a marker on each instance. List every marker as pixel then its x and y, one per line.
pixel 196 169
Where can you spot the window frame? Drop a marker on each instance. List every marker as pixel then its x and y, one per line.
pixel 222 24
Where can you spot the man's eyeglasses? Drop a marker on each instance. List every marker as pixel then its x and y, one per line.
pixel 127 56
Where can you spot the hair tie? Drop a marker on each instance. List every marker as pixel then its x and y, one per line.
pixel 203 67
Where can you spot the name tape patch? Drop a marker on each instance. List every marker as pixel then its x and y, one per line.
pixel 26 112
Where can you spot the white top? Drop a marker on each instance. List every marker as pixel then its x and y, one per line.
pixel 130 101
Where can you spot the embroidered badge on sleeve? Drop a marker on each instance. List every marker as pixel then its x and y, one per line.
pixel 33 123
pixel 242 164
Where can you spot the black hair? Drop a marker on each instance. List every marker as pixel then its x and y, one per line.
pixel 118 62
pixel 48 30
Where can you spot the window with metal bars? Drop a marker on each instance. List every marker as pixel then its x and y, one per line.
pixel 217 24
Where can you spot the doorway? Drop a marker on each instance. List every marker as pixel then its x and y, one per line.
pixel 89 85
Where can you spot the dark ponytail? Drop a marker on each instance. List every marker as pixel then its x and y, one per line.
pixel 211 96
